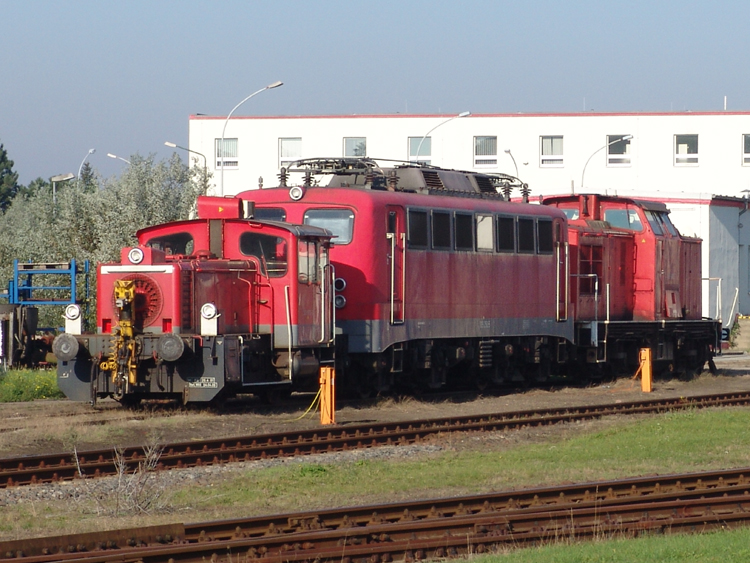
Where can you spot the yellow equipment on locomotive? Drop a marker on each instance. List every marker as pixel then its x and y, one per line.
pixel 123 358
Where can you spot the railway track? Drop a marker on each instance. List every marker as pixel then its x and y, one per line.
pixel 96 463
pixel 432 528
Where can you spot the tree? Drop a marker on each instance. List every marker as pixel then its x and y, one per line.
pixel 8 180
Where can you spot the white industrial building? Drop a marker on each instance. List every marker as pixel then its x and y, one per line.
pixel 698 163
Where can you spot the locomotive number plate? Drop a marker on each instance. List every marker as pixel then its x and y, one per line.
pixel 203 383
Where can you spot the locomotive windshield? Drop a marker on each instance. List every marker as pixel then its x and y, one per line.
pixel 623 219
pixel 176 243
pixel 271 251
pixel 339 221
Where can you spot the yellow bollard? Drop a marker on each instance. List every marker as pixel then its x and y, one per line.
pixel 327 394
pixel 645 369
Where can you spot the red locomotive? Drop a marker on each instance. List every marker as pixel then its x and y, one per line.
pixel 204 309
pixel 438 274
pixel 425 276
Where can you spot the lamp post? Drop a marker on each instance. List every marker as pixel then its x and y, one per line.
pixel 205 162
pixel 623 138
pixel 462 114
pixel 91 151
pixel 110 155
pixel 510 154
pixel 269 87
pixel 55 180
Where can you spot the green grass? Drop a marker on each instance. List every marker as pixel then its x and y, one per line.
pixel 670 443
pixel 28 385
pixel 720 547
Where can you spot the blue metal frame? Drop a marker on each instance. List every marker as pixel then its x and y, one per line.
pixel 21 289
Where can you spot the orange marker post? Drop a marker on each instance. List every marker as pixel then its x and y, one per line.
pixel 645 369
pixel 327 390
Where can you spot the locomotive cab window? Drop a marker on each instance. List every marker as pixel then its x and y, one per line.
pixel 339 221
pixel 623 219
pixel 269 214
pixel 653 221
pixel 544 236
pixel 464 224
pixel 271 252
pixel 177 243
pixel 484 233
pixel 441 230
pixel 526 235
pixel 667 222
pixel 417 229
pixel 506 234
pixel 307 258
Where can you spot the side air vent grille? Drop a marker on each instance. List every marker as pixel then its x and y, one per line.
pixel 432 179
pixel 485 185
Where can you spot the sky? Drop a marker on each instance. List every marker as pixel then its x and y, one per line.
pixel 123 77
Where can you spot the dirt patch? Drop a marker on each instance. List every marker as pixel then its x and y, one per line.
pixel 58 426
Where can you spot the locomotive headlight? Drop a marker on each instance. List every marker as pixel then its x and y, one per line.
pixel 339 284
pixel 72 312
pixel 296 193
pixel 340 301
pixel 209 311
pixel 135 255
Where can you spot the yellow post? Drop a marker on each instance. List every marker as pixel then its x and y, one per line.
pixel 327 389
pixel 645 369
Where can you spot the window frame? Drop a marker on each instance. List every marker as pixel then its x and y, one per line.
pixel 525 248
pixel 483 215
pixel 501 220
pixel 544 221
pixel 551 159
pixel 618 160
pixel 410 226
pixel 362 140
pixel 439 243
pixel 337 240
pixel 284 161
pixel 467 228
pixel 746 149
pixel 228 161
pixel 480 160
pixel 688 158
pixel 426 158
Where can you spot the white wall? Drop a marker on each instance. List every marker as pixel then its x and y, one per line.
pixel 720 169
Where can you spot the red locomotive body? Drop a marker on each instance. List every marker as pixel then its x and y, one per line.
pixel 436 270
pixel 204 309
pixel 643 279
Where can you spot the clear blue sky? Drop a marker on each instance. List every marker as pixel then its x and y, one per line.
pixel 123 77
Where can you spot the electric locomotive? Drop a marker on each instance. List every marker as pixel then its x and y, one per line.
pixel 205 309
pixel 441 277
pixel 437 273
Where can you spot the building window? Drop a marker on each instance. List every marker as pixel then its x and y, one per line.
pixel 618 150
pixel 422 145
pixel 746 150
pixel 226 156
pixel 485 151
pixel 290 150
pixel 551 150
pixel 686 150
pixel 355 146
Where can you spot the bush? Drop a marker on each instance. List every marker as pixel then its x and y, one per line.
pixel 28 385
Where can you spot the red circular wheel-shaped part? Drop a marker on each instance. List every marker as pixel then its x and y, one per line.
pixel 148 299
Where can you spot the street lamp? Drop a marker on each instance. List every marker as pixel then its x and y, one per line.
pixel 462 114
pixel 623 138
pixel 205 163
pixel 91 151
pixel 270 86
pixel 507 151
pixel 110 155
pixel 55 180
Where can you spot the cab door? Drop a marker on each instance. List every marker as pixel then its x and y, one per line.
pixel 310 287
pixel 396 262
